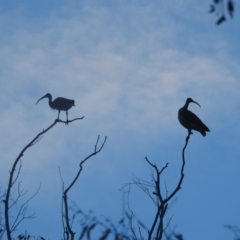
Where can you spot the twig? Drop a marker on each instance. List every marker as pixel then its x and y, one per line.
pixel 69 121
pixel 22 211
pixel 12 181
pixel 161 202
pixel 65 200
pixel 62 210
pixel 131 215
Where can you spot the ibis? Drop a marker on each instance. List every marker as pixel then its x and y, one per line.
pixel 190 121
pixel 60 104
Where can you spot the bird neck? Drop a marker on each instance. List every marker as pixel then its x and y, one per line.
pixel 50 101
pixel 186 105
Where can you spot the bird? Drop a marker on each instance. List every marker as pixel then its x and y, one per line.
pixel 60 104
pixel 190 121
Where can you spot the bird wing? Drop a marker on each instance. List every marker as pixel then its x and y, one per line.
pixel 195 121
pixel 63 103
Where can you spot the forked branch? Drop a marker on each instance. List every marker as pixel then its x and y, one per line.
pixel 13 180
pixel 157 228
pixel 68 229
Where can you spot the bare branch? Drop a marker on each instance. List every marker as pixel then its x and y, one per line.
pixel 23 209
pixel 65 200
pixel 161 202
pixel 19 170
pixel 131 215
pixel 182 169
pixel 12 181
pixel 62 209
pixel 235 230
pixel 69 121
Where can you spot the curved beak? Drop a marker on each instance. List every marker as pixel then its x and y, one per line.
pixel 196 103
pixel 41 99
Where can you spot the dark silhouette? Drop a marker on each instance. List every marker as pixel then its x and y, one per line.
pixel 218 7
pixel 11 226
pixel 235 230
pixel 60 104
pixel 68 232
pixel 190 121
pixel 156 193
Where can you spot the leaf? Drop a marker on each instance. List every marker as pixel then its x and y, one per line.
pixel 21 236
pixel 179 237
pixel 212 9
pixel 105 234
pixel 90 229
pixel 220 20
pixel 230 7
pixel 121 221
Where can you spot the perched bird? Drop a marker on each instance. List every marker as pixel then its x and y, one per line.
pixel 60 104
pixel 190 121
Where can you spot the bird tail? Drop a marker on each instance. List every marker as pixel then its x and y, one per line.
pixel 203 133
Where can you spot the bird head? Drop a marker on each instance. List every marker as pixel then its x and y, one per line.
pixel 189 100
pixel 48 95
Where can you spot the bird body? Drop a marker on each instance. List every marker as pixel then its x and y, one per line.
pixel 60 104
pixel 190 121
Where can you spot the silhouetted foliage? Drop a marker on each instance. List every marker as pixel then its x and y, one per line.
pixel 27 236
pixel 235 230
pixel 219 6
pixel 2 226
pixel 104 228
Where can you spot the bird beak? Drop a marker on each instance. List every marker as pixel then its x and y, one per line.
pixel 41 99
pixel 196 103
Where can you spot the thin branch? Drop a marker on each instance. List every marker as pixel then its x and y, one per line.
pixel 20 193
pixel 83 161
pixel 62 210
pixel 160 225
pixel 182 169
pixel 235 230
pixel 131 215
pixel 65 200
pixel 37 140
pixel 141 184
pixel 18 172
pixel 69 121
pixel 23 209
pixel 11 181
pixel 155 221
pixel 161 202
pixel 157 182
pixel 168 223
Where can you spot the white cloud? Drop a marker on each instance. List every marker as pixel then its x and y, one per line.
pixel 128 73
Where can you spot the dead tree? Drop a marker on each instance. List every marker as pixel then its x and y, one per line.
pixel 10 227
pixel 67 228
pixel 161 202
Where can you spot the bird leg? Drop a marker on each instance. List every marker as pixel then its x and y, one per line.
pixel 189 134
pixel 58 115
pixel 190 131
pixel 67 118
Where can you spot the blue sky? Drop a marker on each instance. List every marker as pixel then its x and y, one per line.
pixel 129 66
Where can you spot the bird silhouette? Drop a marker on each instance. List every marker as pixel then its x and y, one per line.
pixel 190 121
pixel 60 104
